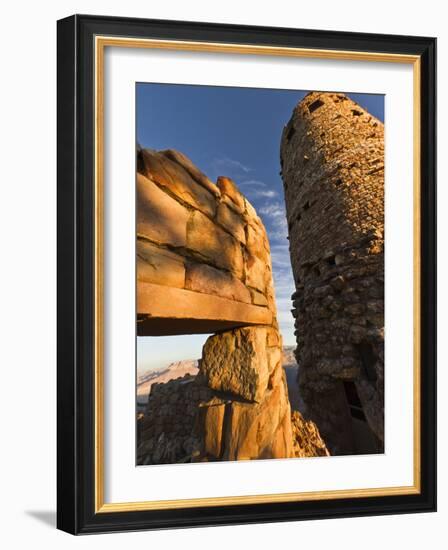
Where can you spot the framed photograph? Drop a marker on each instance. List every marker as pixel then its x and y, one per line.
pixel 246 274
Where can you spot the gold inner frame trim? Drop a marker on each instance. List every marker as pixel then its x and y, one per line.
pixel 101 42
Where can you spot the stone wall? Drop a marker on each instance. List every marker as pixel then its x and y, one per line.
pixel 167 430
pixel 204 265
pixel 203 259
pixel 332 157
pixel 186 421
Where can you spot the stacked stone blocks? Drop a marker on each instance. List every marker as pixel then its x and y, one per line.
pixel 202 238
pixel 203 265
pixel 332 157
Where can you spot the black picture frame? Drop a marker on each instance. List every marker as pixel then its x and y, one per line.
pixel 76 511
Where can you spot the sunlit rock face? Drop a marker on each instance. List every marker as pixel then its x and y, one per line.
pixel 203 258
pixel 332 158
pixel 244 368
pixel 204 266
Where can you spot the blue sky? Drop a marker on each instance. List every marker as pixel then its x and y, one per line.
pixel 232 132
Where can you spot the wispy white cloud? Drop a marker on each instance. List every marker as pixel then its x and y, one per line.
pixel 273 210
pixel 280 260
pixel 253 183
pixel 280 234
pixel 283 284
pixel 261 193
pixel 230 166
pixel 257 189
pixel 281 248
pixel 274 216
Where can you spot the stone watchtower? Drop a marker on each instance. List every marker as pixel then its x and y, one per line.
pixel 332 158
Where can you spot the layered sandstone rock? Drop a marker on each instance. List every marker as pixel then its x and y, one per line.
pixel 203 239
pixel 203 265
pixel 332 156
pixel 185 421
pixel 239 362
pixel 244 368
pixel 307 440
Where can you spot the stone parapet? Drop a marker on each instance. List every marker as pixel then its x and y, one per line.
pixel 201 237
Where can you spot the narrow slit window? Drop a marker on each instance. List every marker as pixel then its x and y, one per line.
pixel 315 105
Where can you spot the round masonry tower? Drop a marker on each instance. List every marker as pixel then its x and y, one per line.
pixel 332 158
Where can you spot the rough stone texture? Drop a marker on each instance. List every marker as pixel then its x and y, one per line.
pixel 173 178
pixel 162 303
pixel 229 189
pixel 332 157
pixel 244 367
pixel 261 431
pixel 237 362
pixel 256 247
pixel 185 421
pixel 306 437
pixel 159 265
pixel 160 218
pixel 232 221
pixel 191 234
pixel 167 430
pixel 210 427
pixel 258 298
pixel 256 273
pixel 251 430
pixel 193 170
pixel 214 244
pixel 208 279
pixel 204 266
